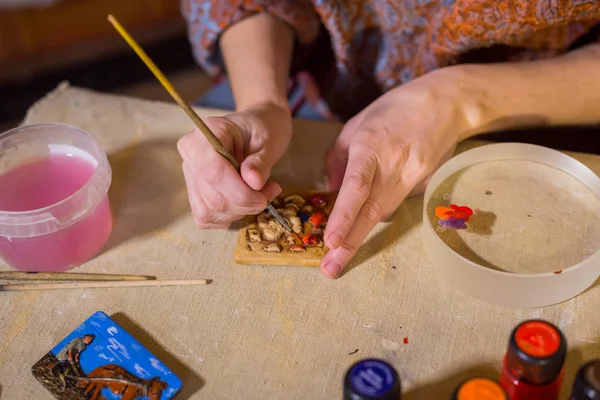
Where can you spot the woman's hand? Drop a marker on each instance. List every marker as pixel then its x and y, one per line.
pixel 383 154
pixel 218 195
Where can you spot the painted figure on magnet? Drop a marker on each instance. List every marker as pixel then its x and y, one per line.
pixel 100 361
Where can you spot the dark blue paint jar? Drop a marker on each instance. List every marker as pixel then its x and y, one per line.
pixel 372 379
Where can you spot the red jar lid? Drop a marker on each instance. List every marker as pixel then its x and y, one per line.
pixel 536 352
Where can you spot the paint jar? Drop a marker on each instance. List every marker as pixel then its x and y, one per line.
pixel 372 379
pixel 587 382
pixel 54 208
pixel 479 389
pixel 533 366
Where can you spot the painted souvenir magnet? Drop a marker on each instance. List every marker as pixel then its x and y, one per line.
pixel 455 217
pixel 101 361
pixel 263 241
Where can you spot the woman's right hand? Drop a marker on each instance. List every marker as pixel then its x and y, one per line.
pixel 257 138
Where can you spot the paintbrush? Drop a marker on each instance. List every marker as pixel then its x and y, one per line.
pixel 69 276
pixel 94 285
pixel 212 139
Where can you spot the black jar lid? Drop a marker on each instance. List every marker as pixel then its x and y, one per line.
pixel 536 352
pixel 372 379
pixel 587 382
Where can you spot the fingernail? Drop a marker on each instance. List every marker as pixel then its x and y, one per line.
pixel 333 269
pixel 334 241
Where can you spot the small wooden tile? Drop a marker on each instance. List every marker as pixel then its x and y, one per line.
pixel 311 224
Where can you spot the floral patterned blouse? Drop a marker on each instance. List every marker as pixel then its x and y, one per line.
pixel 358 49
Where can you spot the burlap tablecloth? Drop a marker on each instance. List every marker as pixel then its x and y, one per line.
pixel 262 332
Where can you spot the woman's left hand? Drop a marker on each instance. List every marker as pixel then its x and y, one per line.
pixel 386 152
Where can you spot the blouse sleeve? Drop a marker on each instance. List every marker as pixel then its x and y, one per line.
pixel 207 19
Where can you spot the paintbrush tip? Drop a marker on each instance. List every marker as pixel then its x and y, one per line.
pixel 111 18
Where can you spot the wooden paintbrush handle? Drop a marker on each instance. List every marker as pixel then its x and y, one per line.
pixel 94 285
pixel 68 276
pixel 213 140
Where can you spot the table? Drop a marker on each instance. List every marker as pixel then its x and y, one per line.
pixel 262 332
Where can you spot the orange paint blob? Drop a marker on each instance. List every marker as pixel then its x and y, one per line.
pixel 481 389
pixel 310 239
pixel 454 212
pixel 537 338
pixel 318 218
pixel 297 249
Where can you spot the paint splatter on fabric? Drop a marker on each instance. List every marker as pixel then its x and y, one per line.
pixel 455 217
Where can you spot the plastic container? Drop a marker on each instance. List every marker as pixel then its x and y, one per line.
pixel 503 288
pixel 54 207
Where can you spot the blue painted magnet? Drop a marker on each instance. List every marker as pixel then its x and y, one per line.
pixel 100 360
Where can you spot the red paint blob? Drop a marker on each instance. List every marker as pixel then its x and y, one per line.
pixel 406 340
pixel 318 218
pixel 297 248
pixel 310 239
pixel 454 212
pixel 538 339
pixel 318 199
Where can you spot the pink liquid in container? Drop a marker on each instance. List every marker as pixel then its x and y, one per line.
pixel 54 208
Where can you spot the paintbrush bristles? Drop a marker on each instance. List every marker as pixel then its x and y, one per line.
pixel 218 146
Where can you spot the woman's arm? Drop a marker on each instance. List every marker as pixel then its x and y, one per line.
pixel 258 53
pixel 255 39
pixel 560 91
pixel 399 140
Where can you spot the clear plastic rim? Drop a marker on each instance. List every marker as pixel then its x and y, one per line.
pixel 99 182
pixel 502 287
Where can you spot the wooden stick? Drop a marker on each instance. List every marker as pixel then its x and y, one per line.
pixel 69 276
pixel 93 285
pixel 212 139
pixel 171 89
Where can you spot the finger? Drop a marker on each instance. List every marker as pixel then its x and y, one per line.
pixel 203 217
pixel 219 209
pixel 271 190
pixel 218 174
pixel 355 190
pixel 336 260
pixel 336 161
pixel 256 168
pixel 196 203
